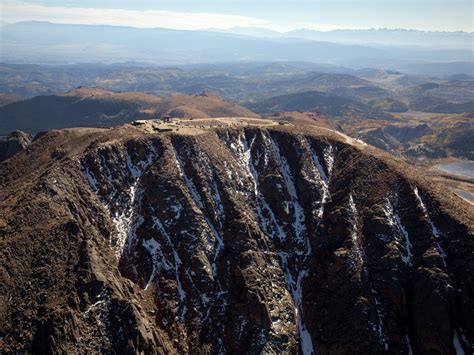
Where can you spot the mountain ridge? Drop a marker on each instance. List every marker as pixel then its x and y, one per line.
pixel 95 107
pixel 365 36
pixel 174 232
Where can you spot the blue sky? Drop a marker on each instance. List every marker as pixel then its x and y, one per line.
pixel 438 15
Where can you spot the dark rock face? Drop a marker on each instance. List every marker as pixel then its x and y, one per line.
pixel 13 143
pixel 244 241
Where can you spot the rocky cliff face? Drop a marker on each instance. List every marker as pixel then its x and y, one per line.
pixel 257 239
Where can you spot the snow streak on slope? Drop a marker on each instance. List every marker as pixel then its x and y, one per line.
pixel 356 255
pixel 98 315
pixel 358 262
pixel 218 243
pixel 408 344
pixel 401 235
pixel 329 158
pixel 303 251
pixel 457 344
pixel 177 264
pixel 298 213
pixel 243 156
pixel 124 205
pixel 268 222
pixel 434 231
pixel 323 177
pixel 215 244
pixel 158 258
pixel 91 179
pixel 378 328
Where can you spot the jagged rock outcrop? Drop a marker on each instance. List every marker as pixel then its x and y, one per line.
pixel 256 239
pixel 13 143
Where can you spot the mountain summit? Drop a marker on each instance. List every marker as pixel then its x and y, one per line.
pixel 228 235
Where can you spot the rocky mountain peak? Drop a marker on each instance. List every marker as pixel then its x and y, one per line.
pixel 229 238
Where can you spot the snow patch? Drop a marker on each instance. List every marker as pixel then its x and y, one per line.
pixel 269 224
pixel 177 265
pixel 324 179
pixel 401 234
pixel 122 205
pixel 408 342
pixel 198 200
pixel 457 344
pixel 91 179
pixel 298 212
pixel 295 286
pixel 378 328
pixel 329 158
pixel 434 231
pixel 356 254
pixel 126 221
pixel 159 261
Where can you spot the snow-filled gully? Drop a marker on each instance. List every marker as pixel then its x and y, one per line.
pixel 402 238
pixel 438 239
pixel 218 242
pixel 198 200
pixel 434 231
pixel 124 210
pixel 242 149
pixel 358 262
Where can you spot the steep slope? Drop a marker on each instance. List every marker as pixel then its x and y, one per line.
pixel 252 239
pixel 96 107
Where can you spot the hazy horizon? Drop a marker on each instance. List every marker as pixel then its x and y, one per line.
pixel 281 16
pixel 263 28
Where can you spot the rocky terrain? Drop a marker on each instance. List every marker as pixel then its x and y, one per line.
pixel 237 236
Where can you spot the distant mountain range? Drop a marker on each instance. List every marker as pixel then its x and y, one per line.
pixel 43 42
pixel 388 37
